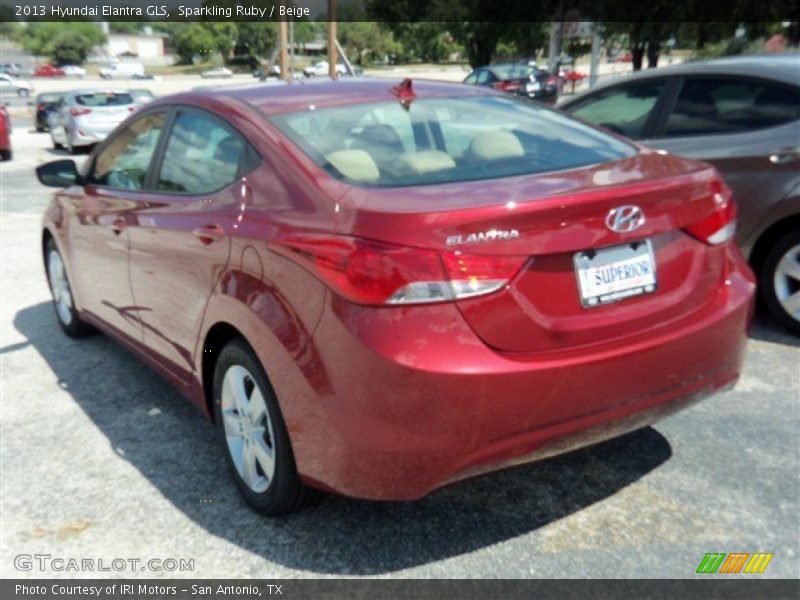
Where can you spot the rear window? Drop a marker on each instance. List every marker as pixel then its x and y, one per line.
pixel 103 99
pixel 445 140
pixel 513 71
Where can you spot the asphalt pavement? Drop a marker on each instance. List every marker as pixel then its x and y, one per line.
pixel 102 459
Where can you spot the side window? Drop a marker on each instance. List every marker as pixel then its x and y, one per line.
pixel 484 77
pixel 202 155
pixel 712 106
pixel 624 109
pixel 124 162
pixel 471 79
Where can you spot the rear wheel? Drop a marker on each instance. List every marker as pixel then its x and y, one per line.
pixel 5 155
pixel 62 294
pixel 779 281
pixel 23 93
pixel 250 425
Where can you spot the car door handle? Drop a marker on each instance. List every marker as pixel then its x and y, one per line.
pixel 118 225
pixel 784 155
pixel 209 233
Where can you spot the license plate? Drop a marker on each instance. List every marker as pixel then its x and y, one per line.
pixel 616 273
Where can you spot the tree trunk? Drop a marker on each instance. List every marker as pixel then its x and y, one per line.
pixel 653 49
pixel 637 54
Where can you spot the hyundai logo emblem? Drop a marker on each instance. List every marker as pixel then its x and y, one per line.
pixel 625 219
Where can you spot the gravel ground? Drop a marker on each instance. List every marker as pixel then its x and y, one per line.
pixel 101 459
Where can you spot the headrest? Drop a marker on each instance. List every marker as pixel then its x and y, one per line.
pixel 425 161
pixel 496 143
pixel 354 164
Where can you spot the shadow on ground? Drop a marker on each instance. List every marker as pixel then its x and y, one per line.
pixel 177 451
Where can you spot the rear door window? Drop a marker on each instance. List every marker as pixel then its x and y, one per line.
pixel 711 106
pixel 202 155
pixel 625 109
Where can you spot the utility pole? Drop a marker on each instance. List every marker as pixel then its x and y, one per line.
pixel 283 58
pixel 597 41
pixel 333 58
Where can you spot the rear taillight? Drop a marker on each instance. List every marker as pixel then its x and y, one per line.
pixel 552 80
pixel 40 107
pixel 77 112
pixel 720 226
pixel 375 273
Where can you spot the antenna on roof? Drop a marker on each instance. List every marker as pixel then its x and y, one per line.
pixel 405 92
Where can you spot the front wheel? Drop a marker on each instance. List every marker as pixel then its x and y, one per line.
pixel 250 425
pixel 23 93
pixel 779 281
pixel 61 291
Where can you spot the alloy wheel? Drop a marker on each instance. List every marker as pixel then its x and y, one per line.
pixel 786 282
pixel 59 286
pixel 248 428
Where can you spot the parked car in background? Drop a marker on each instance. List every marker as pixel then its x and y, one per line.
pixel 217 73
pixel 147 76
pixel 122 70
pixel 48 70
pixel 12 86
pixel 141 96
pixel 5 134
pixel 263 73
pixel 379 288
pixel 13 69
pixel 321 69
pixel 519 78
pixel 743 116
pixel 85 117
pixel 45 105
pixel 74 71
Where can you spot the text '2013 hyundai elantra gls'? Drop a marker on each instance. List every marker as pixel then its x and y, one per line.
pixel 378 289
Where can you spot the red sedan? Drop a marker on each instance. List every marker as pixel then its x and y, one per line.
pixel 48 70
pixel 377 290
pixel 5 134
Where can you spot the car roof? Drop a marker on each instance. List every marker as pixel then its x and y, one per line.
pixel 778 67
pixel 279 97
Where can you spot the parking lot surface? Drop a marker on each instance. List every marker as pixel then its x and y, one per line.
pixel 101 459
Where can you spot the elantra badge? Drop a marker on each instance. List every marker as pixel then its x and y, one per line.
pixel 483 236
pixel 625 219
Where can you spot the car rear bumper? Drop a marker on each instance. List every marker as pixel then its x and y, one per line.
pixel 394 403
pixel 86 136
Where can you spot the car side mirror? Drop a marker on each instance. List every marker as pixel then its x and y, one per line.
pixel 59 173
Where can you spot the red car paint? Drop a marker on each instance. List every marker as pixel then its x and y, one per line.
pixel 391 402
pixel 48 70
pixel 5 134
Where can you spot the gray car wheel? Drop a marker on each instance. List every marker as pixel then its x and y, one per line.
pixel 779 281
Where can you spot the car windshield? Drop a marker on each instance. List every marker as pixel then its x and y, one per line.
pixel 103 99
pixel 444 140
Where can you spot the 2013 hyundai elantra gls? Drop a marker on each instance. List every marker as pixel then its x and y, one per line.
pixel 378 289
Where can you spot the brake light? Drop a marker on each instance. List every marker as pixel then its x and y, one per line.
pixel 552 80
pixel 40 107
pixel 375 273
pixel 720 226
pixel 76 112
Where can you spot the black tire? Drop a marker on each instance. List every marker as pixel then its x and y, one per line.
pixel 73 326
pixel 5 155
pixel 23 93
pixel 285 493
pixel 766 281
pixel 39 129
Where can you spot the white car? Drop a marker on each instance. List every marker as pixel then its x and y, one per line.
pixel 122 70
pixel 74 71
pixel 320 69
pixel 12 85
pixel 85 117
pixel 222 72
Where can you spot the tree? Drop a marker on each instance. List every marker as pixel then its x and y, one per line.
pixel 256 38
pixel 366 41
pixel 193 40
pixel 64 43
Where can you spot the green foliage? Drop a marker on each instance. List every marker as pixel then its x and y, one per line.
pixel 366 42
pixel 194 39
pixel 63 43
pixel 257 38
pixel 130 27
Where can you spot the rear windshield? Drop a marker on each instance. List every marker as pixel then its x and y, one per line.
pixel 513 71
pixel 445 140
pixel 103 99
